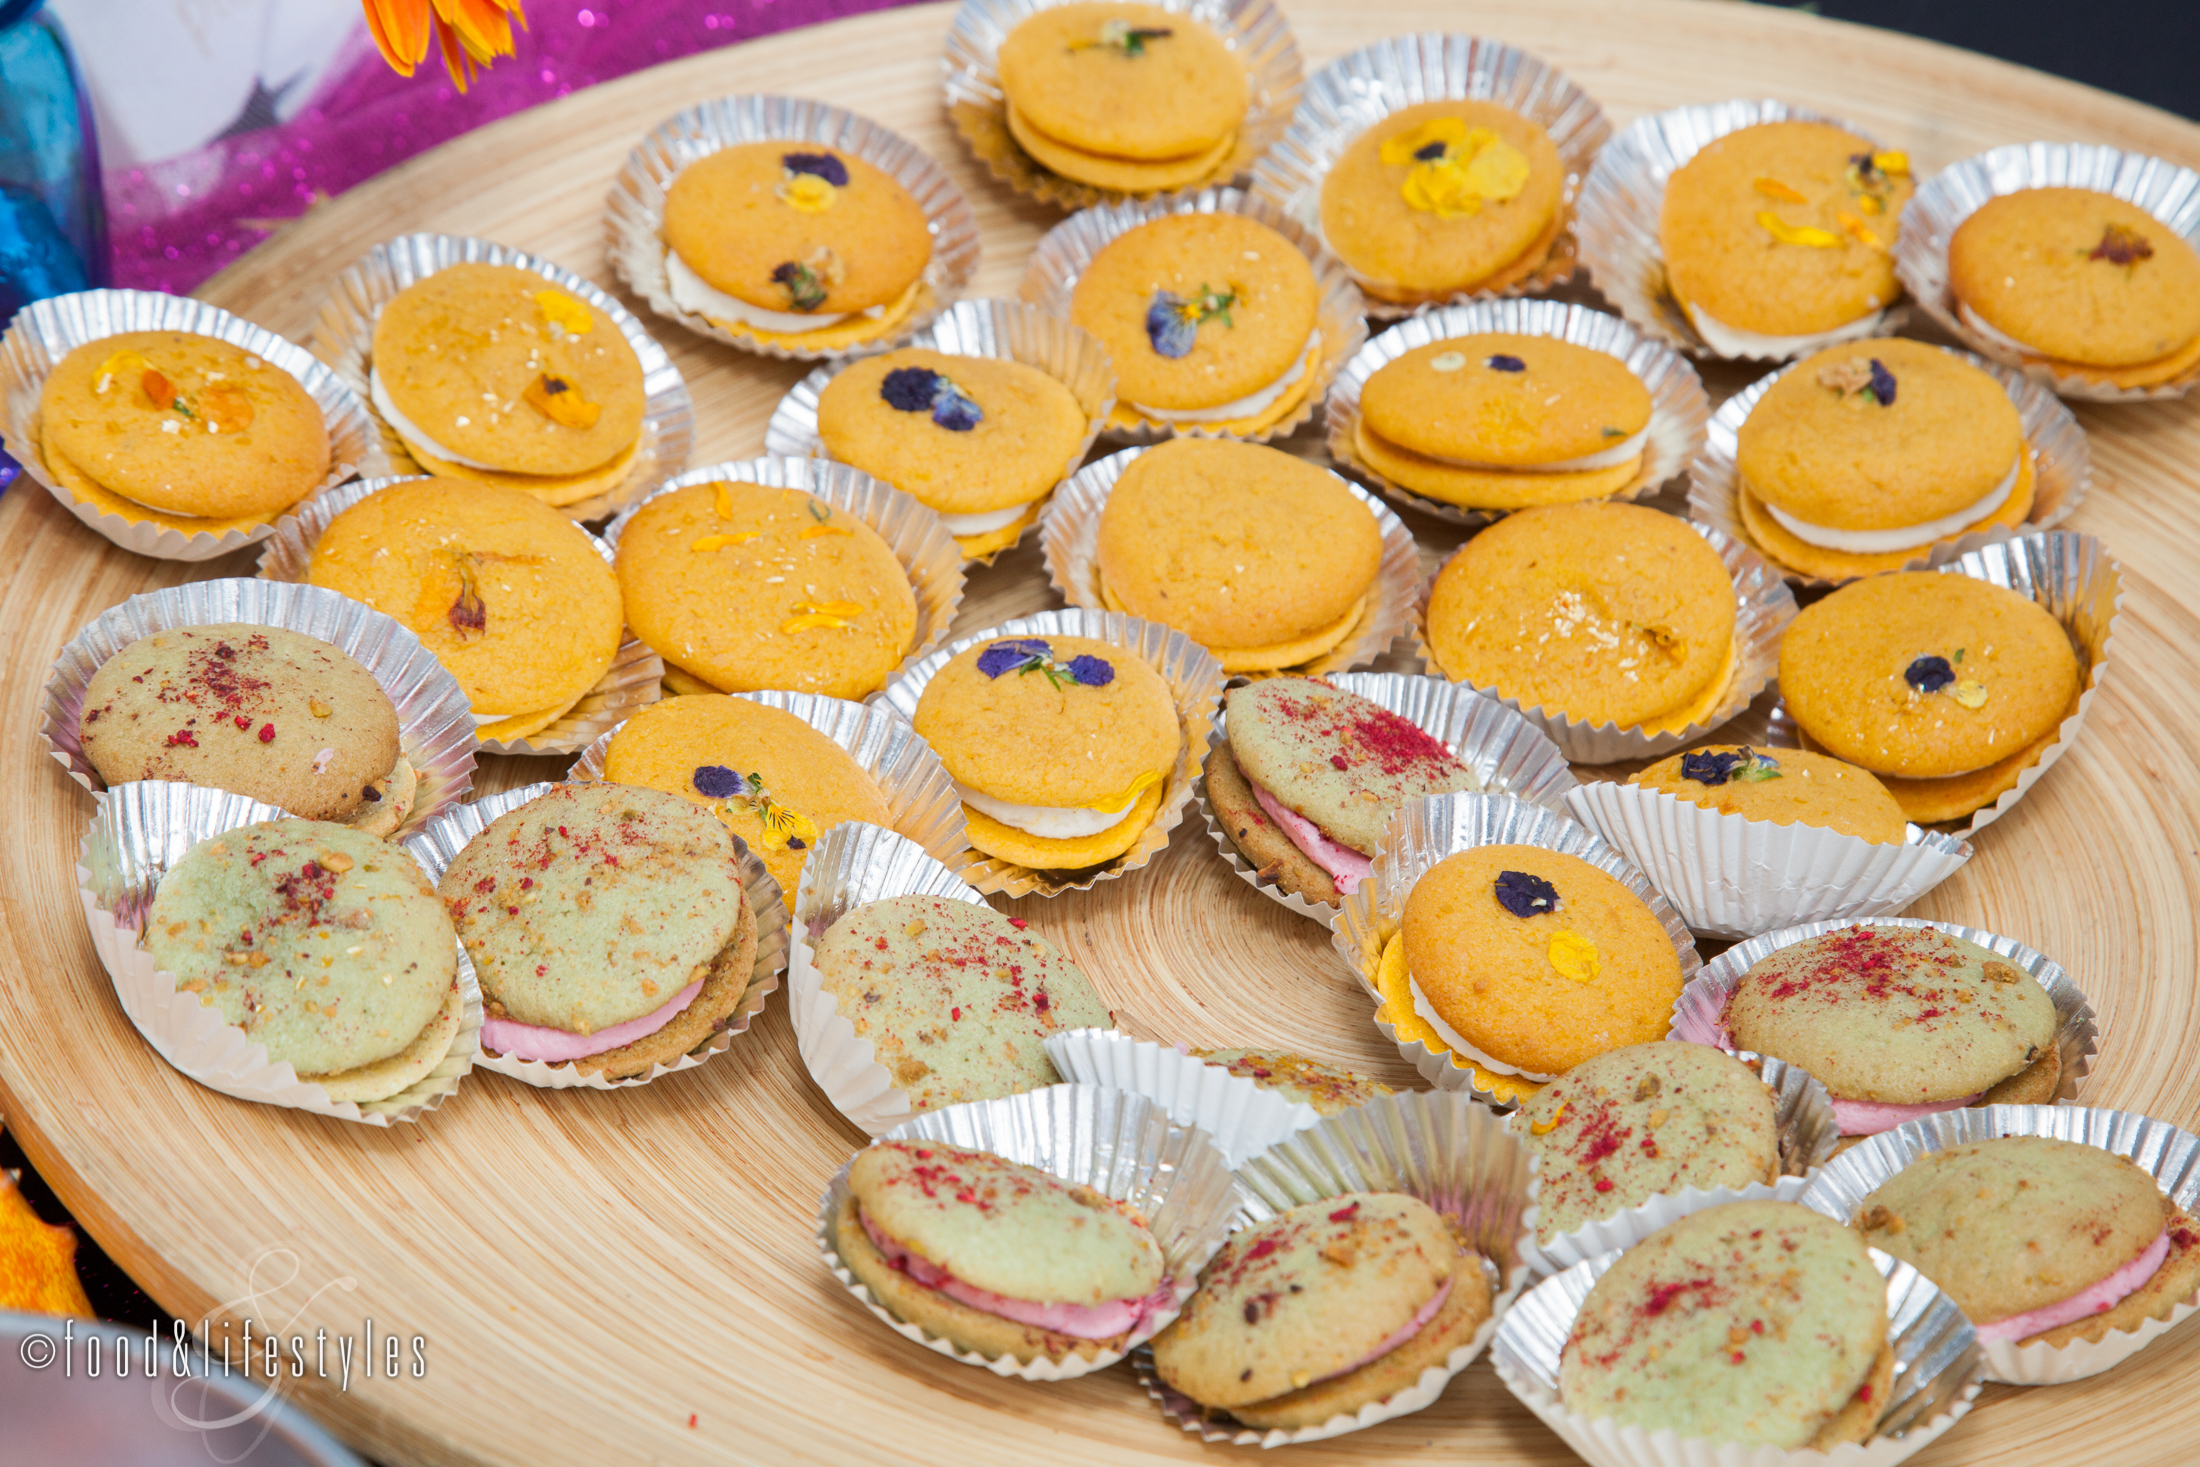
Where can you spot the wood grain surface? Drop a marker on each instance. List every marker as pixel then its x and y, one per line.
pixel 630 1277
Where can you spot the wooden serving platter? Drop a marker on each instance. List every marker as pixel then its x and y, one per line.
pixel 630 1276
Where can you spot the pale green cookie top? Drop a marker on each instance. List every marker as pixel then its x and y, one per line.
pixel 1307 1294
pixel 1904 1015
pixel 1645 1119
pixel 954 997
pixel 322 942
pixel 1754 1322
pixel 1325 1087
pixel 2012 1225
pixel 1344 762
pixel 1009 1229
pixel 594 904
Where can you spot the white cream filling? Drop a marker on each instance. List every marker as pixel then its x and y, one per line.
pixel 1978 323
pixel 1451 1037
pixel 1732 341
pixel 692 293
pixel 1902 537
pixel 1048 822
pixel 1603 458
pixel 978 524
pixel 409 430
pixel 1245 407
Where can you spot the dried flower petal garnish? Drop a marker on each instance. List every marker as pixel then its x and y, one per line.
pixel 723 500
pixel 1524 894
pixel 1450 361
pixel 919 389
pixel 1857 229
pixel 1969 694
pixel 561 402
pixel 828 615
pixel 1745 766
pixel 1172 322
pixel 1091 671
pixel 809 280
pixel 720 542
pixel 816 532
pixel 1453 168
pixel 1929 674
pixel 717 782
pixel 468 615
pixel 565 315
pixel 806 192
pixel 817 165
pixel 1772 188
pixel 1503 363
pixel 1026 655
pixel 1871 178
pixel 1544 1128
pixel 225 408
pixel 2122 245
pixel 1808 235
pixel 783 829
pixel 1121 35
pixel 158 389
pixel 1004 657
pixel 1859 381
pixel 1574 956
pixel 123 366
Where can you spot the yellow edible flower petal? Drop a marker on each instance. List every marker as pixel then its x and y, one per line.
pixel 808 193
pixel 814 531
pixel 1498 171
pixel 1892 164
pixel 564 312
pixel 1544 1128
pixel 1857 229
pixel 1139 786
pixel 1772 188
pixel 123 366
pixel 1798 234
pixel 1969 694
pixel 1574 956
pixel 724 501
pixel 561 402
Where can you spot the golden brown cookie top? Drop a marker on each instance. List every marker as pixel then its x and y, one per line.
pixel 1782 786
pixel 1126 81
pixel 1501 400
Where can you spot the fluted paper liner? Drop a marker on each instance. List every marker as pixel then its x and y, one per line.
pixel 1678 406
pixel 2168 192
pixel 1195 683
pixel 1255 31
pixel 343 337
pixel 435 725
pixel 634 212
pixel 1936 1379
pixel 1508 754
pixel 2062 467
pixel 1240 1116
pixel 1699 1015
pixel 1119 1144
pixel 139 832
pixel 1070 534
pixel 437 846
pixel 1424 833
pixel 914 533
pixel 1732 876
pixel 1808 1132
pixel 1005 330
pixel 634 679
pixel 1763 607
pixel 1616 218
pixel 2169 1155
pixel 1441 1148
pixel 1340 313
pixel 45 331
pixel 1353 93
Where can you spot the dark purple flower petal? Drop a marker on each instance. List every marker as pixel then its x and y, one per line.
pixel 1756 767
pixel 1093 672
pixel 953 410
pixel 1006 657
pixel 1430 152
pixel 1709 768
pixel 1524 895
pixel 1169 326
pixel 819 165
pixel 911 389
pixel 1503 363
pixel 1929 674
pixel 717 782
pixel 1882 385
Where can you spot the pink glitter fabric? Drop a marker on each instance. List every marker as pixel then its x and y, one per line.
pixel 175 222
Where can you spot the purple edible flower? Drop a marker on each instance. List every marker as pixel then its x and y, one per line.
pixel 819 165
pixel 1711 768
pixel 1524 895
pixel 1171 330
pixel 1882 384
pixel 1007 657
pixel 953 410
pixel 1093 672
pixel 1430 152
pixel 1503 363
pixel 717 782
pixel 1929 674
pixel 911 389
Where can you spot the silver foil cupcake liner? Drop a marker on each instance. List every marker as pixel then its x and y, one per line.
pixel 2168 192
pixel 1678 405
pixel 1808 1132
pixel 1448 1152
pixel 915 535
pixel 1005 330
pixel 2062 466
pixel 1195 682
pixel 1507 753
pixel 634 679
pixel 1353 93
pixel 1255 31
pixel 1121 1145
pixel 343 337
pixel 1340 313
pixel 139 832
pixel 1699 1015
pixel 45 331
pixel 1734 877
pixel 1617 216
pixel 437 846
pixel 1424 833
pixel 435 724
pixel 2169 1155
pixel 1936 1379
pixel 634 211
pixel 1241 1117
pixel 1070 536
pixel 1763 607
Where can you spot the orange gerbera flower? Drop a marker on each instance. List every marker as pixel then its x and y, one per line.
pixel 473 32
pixel 37 1261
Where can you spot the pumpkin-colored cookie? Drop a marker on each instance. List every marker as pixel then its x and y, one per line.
pixel 1128 82
pixel 1782 545
pixel 557 490
pixel 2083 280
pixel 1784 229
pixel 183 424
pixel 1608 613
pixel 747 587
pixel 1442 197
pixel 1781 787
pixel 1261 557
pixel 1925 675
pixel 508 594
pixel 1395 987
pixel 1933 801
pixel 775 781
pixel 1488 489
pixel 1534 960
pixel 85 490
pixel 1123 175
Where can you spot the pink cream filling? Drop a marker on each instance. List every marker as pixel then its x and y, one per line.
pixel 540 1042
pixel 1398 1336
pixel 1103 1321
pixel 1347 867
pixel 1870 1117
pixel 2101 1297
